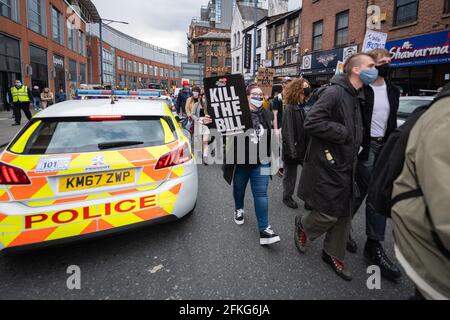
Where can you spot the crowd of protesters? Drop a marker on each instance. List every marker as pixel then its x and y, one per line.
pixel 336 133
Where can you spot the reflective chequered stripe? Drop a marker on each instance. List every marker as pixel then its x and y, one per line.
pixel 14 230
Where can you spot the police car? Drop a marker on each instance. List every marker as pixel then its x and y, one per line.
pixel 85 168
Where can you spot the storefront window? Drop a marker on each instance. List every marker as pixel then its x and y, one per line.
pixel 405 11
pixel 82 73
pixel 38 60
pixel 9 54
pixel 59 73
pixel 341 37
pixel 36 16
pixel 317 35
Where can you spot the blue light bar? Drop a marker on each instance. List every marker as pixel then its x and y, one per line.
pixel 118 93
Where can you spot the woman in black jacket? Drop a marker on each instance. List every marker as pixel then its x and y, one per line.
pixel 294 136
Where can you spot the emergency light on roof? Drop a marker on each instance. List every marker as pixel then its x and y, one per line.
pixel 118 94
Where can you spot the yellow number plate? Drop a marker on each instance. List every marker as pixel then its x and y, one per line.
pixel 96 180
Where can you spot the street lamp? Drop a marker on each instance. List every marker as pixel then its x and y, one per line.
pixel 101 42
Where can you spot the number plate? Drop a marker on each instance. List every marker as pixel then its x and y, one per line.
pixel 89 181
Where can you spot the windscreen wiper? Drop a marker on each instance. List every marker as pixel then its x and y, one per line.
pixel 118 144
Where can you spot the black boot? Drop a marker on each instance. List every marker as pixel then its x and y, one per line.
pixel 352 247
pixel 290 203
pixel 375 255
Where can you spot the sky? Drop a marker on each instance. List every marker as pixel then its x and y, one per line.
pixel 163 23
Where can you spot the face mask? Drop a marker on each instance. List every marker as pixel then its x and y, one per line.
pixel 384 70
pixel 19 84
pixel 257 102
pixel 307 91
pixel 369 76
pixel 195 94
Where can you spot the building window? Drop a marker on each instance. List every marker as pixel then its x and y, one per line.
pixel 278 57
pixel 8 8
pixel 57 26
pixel 269 35
pixel 36 16
pixel 135 67
pixel 73 71
pixel 317 35
pixel 279 33
pixel 238 38
pixel 156 71
pixel 81 43
pixel 82 73
pixel 447 6
pixel 293 27
pixel 38 61
pixel 258 60
pixel 405 11
pixel 161 72
pixel 238 64
pixel 214 61
pixel 228 62
pixel 145 69
pixel 140 67
pixel 152 73
pixel 258 38
pixel 341 37
pixel 71 42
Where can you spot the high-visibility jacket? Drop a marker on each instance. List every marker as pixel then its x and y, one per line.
pixel 20 95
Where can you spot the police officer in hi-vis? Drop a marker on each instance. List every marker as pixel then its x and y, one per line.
pixel 20 97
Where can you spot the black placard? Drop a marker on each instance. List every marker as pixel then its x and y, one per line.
pixel 227 104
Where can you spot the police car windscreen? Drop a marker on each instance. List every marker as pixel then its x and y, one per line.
pixel 77 135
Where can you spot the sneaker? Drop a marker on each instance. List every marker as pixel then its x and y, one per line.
pixel 268 237
pixel 239 217
pixel 15 124
pixel 338 266
pixel 290 203
pixel 300 236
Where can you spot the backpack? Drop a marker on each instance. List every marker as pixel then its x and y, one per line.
pixel 315 95
pixel 388 167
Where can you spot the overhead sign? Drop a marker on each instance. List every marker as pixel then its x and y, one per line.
pixel 349 51
pixel 227 104
pixel 428 49
pixel 248 51
pixel 374 40
pixel 265 80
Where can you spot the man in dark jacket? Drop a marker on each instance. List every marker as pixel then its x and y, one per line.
pixel 379 119
pixel 183 96
pixel 328 178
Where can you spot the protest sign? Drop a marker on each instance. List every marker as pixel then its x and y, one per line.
pixel 227 104
pixel 374 40
pixel 340 67
pixel 265 80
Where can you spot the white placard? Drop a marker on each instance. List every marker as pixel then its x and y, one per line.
pixel 374 40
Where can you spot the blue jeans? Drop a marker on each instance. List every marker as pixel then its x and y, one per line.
pixel 36 103
pixel 259 181
pixel 375 222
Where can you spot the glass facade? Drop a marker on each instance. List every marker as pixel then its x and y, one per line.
pixel 39 65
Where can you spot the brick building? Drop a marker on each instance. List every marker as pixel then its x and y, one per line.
pixel 37 46
pixel 55 44
pixel 413 27
pixel 418 39
pixel 330 30
pixel 213 50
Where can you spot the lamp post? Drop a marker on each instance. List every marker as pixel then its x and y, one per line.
pixel 101 42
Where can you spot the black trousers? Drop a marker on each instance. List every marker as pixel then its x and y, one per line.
pixel 25 107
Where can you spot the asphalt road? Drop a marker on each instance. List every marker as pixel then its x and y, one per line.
pixel 204 256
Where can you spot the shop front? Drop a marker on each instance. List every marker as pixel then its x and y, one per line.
pixel 10 68
pixel 39 67
pixel 59 73
pixel 319 67
pixel 421 64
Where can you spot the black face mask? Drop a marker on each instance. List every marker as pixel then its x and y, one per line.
pixel 384 70
pixel 307 92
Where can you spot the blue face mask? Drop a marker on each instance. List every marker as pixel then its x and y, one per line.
pixel 369 76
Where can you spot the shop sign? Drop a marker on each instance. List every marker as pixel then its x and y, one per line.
pixel 58 62
pixel 247 51
pixel 428 49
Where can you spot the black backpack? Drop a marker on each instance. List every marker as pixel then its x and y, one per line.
pixel 389 166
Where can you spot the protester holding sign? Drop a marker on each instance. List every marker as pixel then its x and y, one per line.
pixel 196 109
pixel 252 163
